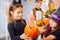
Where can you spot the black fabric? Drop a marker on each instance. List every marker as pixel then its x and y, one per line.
pixel 56 33
pixel 16 31
pixel 58 12
pixel 38 9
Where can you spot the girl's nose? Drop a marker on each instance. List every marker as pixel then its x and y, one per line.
pixel 20 14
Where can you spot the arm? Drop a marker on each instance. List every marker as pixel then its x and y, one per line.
pixel 31 19
pixel 12 32
pixel 50 37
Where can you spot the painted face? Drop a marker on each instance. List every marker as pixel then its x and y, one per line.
pixel 38 4
pixel 53 24
pixel 18 13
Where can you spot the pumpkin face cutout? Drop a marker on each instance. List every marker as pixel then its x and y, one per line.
pixel 45 21
pixel 31 32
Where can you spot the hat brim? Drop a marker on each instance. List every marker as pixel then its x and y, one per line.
pixel 54 17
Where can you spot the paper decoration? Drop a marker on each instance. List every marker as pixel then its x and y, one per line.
pixel 30 1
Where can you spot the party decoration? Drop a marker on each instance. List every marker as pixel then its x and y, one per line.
pixel 30 1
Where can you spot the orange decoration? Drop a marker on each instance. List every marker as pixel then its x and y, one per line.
pixel 45 21
pixel 30 0
pixel 32 32
pixel 38 22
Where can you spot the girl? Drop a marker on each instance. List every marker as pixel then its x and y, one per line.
pixel 54 31
pixel 36 15
pixel 37 12
pixel 16 23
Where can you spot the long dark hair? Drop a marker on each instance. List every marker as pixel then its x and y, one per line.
pixel 58 23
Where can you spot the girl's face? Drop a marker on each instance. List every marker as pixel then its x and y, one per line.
pixel 53 24
pixel 18 13
pixel 38 4
pixel 59 0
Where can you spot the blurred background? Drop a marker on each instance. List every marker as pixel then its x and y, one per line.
pixel 28 5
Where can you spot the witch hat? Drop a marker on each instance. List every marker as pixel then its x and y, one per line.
pixel 58 12
pixel 55 15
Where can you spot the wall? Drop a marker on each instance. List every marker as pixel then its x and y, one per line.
pixel 3 22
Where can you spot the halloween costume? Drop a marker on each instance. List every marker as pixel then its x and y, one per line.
pixel 55 16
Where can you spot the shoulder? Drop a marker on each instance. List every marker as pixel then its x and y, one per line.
pixel 56 33
pixel 58 30
pixel 34 9
pixel 10 25
pixel 40 9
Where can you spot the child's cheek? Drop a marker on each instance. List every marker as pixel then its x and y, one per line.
pixel 53 24
pixel 15 15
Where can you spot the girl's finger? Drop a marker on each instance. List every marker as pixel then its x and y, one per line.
pixel 28 38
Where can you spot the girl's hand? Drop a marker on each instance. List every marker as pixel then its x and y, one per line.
pixel 29 38
pixel 42 30
pixel 50 37
pixel 31 20
pixel 25 37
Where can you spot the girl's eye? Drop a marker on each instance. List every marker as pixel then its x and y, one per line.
pixel 21 12
pixel 18 12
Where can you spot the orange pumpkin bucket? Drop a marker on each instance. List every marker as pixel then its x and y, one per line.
pixel 39 22
pixel 32 32
pixel 45 21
